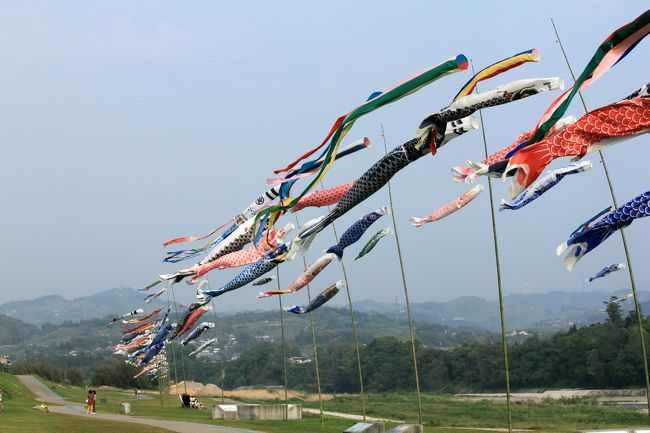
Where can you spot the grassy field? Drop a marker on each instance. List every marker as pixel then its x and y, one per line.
pixel 439 412
pixel 19 417
pixel 171 410
pixel 447 411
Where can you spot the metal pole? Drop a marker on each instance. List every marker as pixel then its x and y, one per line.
pixel 406 292
pixel 284 353
pixel 504 343
pixel 313 341
pixel 354 322
pixel 637 306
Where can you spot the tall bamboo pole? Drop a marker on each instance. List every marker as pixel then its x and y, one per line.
pixel 284 353
pixel 180 350
pixel 504 343
pixel 354 322
pixel 170 346
pixel 164 375
pixel 406 292
pixel 160 389
pixel 220 344
pixel 163 372
pixel 313 341
pixel 637 306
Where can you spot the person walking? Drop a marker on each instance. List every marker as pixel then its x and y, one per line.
pixel 94 401
pixel 90 401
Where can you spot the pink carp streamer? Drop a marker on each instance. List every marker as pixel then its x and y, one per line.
pixel 145 318
pixel 593 131
pixel 191 320
pixel 196 238
pixel 122 316
pixel 136 342
pixel 249 212
pixel 469 174
pixel 449 208
pixel 324 197
pixel 147 369
pixel 242 257
pixel 139 328
pixel 306 277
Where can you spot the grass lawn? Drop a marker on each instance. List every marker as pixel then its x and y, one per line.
pixel 19 417
pixel 447 411
pixel 171 410
pixel 439 411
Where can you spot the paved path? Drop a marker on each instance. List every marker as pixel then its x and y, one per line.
pixel 42 392
pixel 45 394
pixel 349 416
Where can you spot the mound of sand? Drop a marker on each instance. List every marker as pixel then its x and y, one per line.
pixel 192 388
pixel 266 394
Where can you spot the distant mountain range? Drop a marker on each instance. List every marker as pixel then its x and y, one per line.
pixel 55 327
pixel 56 309
pixel 542 311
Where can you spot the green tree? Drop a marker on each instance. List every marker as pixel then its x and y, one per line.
pixel 387 365
pixel 614 313
pixel 75 376
pixel 115 372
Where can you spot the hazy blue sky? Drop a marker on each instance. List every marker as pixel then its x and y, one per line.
pixel 125 124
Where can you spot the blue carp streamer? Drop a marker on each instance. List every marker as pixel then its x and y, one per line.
pixel 356 230
pixel 581 242
pixel 606 271
pixel 319 300
pixel 250 273
pixel 534 191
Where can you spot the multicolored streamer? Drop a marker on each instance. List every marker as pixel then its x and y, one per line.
pixel 609 53
pixel 344 123
pixel 251 210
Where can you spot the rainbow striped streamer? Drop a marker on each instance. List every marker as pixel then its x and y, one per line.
pixel 609 53
pixel 344 123
pixel 496 69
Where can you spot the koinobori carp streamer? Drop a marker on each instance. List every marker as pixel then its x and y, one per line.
pixel 534 191
pixel 586 239
pixel 319 300
pixel 448 208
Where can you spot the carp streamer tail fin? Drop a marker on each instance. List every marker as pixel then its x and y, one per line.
pixel 582 243
pixel 309 231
